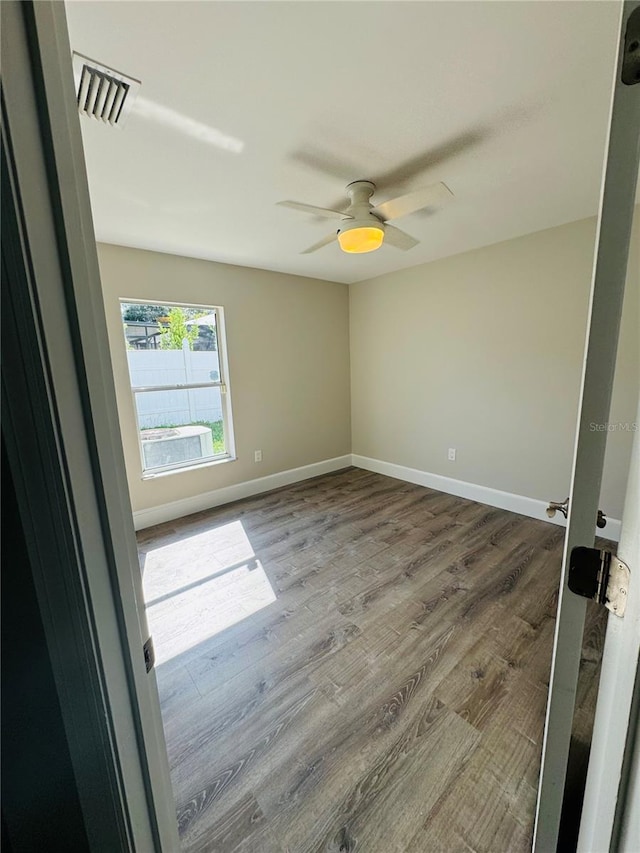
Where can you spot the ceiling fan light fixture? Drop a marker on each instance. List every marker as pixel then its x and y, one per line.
pixel 358 239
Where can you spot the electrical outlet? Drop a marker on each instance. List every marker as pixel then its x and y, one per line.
pixel 452 454
pixel 257 456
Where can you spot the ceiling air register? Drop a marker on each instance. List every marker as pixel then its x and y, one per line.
pixel 103 93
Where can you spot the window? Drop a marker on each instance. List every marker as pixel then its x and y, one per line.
pixel 177 370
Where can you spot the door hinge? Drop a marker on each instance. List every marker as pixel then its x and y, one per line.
pixel 601 576
pixel 149 654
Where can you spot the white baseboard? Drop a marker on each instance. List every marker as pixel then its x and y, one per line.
pixel 530 507
pixel 177 509
pixel 482 494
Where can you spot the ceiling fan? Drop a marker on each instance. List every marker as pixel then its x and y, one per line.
pixel 363 227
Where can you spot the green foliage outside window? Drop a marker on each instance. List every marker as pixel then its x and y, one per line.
pixel 175 331
pixel 136 313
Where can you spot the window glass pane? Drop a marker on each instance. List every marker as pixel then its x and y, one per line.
pixel 149 368
pixel 179 427
pixel 170 346
pixel 177 345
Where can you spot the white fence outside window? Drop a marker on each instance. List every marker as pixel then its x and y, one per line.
pixel 175 367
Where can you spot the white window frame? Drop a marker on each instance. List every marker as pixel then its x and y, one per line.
pixel 222 383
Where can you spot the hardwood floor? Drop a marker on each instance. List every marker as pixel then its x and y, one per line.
pixel 354 663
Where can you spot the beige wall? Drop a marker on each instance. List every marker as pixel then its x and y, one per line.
pixel 480 351
pixel 288 349
pixel 483 352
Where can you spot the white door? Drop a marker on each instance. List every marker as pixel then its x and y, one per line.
pixel 610 266
pixel 611 812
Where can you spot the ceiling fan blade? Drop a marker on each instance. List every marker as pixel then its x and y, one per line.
pixel 398 176
pixel 319 245
pixel 327 162
pixel 403 173
pixel 400 239
pixel 404 205
pixel 325 212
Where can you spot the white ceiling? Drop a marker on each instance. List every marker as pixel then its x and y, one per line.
pixel 506 102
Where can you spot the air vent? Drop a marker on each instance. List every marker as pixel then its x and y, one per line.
pixel 103 93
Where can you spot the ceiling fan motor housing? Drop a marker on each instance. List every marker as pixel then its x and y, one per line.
pixel 360 208
pixel 360 222
pixel 360 192
pixel 362 232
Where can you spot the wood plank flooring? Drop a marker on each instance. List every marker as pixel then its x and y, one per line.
pixel 354 663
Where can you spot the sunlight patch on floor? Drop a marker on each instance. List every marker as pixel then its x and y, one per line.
pixel 193 594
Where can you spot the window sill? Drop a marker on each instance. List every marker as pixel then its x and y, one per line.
pixel 152 475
